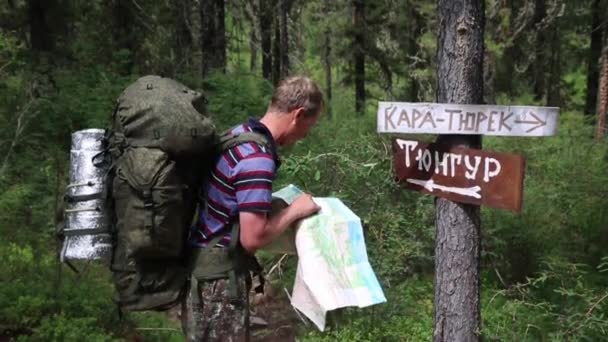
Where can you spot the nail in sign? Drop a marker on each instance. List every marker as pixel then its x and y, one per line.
pixel 437 118
pixel 461 175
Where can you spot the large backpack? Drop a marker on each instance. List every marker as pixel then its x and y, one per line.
pixel 158 144
pixel 161 147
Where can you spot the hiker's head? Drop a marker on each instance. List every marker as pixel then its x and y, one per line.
pixel 296 105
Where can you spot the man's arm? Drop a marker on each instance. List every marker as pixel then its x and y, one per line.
pixel 258 229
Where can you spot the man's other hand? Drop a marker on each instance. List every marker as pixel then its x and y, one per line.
pixel 304 206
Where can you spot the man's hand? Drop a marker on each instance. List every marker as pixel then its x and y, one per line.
pixel 304 206
pixel 257 229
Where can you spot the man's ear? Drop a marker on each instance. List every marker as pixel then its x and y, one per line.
pixel 298 114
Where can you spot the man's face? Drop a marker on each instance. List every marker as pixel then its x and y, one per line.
pixel 300 126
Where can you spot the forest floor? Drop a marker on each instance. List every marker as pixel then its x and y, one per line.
pixel 275 309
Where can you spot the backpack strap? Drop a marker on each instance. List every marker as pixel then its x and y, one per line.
pixel 228 140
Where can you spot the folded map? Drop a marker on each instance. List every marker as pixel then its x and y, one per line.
pixel 333 269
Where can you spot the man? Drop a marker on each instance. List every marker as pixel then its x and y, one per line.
pixel 239 190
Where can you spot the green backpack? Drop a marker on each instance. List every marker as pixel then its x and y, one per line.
pixel 161 148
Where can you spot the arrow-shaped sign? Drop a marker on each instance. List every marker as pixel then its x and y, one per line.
pixel 441 118
pixel 537 121
pixel 430 186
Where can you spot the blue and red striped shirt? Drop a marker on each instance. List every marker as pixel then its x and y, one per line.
pixel 241 180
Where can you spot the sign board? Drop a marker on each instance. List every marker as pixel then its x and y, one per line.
pixel 436 118
pixel 462 175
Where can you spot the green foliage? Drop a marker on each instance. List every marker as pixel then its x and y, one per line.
pixel 544 271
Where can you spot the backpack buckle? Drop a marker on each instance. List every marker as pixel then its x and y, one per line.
pixel 148 200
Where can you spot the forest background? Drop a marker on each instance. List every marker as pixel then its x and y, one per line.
pixel 544 272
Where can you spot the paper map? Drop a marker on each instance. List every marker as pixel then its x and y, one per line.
pixel 333 269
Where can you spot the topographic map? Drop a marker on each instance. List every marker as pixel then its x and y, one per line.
pixel 333 269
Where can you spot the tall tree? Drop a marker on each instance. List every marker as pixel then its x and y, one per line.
pixel 284 18
pixel 594 55
pixel 540 60
pixel 554 82
pixel 325 10
pixel 213 36
pixel 602 108
pixel 41 33
pixel 265 18
pixel 359 53
pixel 460 52
pixel 276 44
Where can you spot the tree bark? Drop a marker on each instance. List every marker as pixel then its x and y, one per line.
pixel 538 71
pixel 213 36
pixel 593 59
pixel 555 70
pixel 602 107
pixel 124 31
pixel 327 58
pixel 359 54
pixel 285 8
pixel 41 34
pixel 276 44
pixel 266 35
pixel 252 14
pixel 416 25
pixel 460 52
pixel 195 28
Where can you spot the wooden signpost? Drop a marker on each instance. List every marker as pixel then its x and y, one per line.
pixel 437 118
pixel 461 175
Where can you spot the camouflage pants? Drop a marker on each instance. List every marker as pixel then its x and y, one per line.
pixel 215 318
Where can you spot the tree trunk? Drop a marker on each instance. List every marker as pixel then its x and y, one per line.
pixel 41 34
pixel 416 24
pixel 195 58
pixel 285 7
pixel 359 54
pixel 538 71
pixel 593 59
pixel 124 31
pixel 252 13
pixel 266 35
pixel 460 52
pixel 554 84
pixel 213 36
pixel 327 58
pixel 602 107
pixel 276 44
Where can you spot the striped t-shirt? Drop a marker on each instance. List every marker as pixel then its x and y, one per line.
pixel 240 181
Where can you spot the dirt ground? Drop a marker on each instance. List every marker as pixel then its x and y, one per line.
pixel 275 309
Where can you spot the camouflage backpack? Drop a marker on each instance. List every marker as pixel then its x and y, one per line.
pixel 158 145
pixel 161 146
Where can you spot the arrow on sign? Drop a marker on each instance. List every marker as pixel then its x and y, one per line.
pixel 430 186
pixel 538 122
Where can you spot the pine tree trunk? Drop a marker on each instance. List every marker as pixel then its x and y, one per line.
pixel 554 84
pixel 359 54
pixel 538 71
pixel 327 59
pixel 41 34
pixel 266 35
pixel 285 7
pixel 124 31
pixel 276 44
pixel 460 52
pixel 593 59
pixel 602 107
pixel 252 13
pixel 213 36
pixel 196 30
pixel 416 23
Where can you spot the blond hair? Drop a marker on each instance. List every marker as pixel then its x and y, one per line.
pixel 297 92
